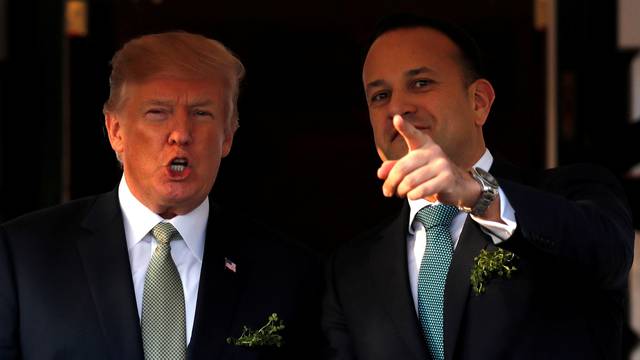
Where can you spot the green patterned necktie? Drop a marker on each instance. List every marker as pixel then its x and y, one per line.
pixel 433 274
pixel 163 315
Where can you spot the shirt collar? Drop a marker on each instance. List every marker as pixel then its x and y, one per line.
pixel 416 205
pixel 139 220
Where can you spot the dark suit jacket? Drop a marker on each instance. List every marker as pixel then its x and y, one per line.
pixel 565 301
pixel 66 290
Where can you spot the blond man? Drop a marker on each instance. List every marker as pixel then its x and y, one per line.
pixel 155 269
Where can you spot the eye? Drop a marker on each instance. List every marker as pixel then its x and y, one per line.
pixel 422 83
pixel 199 113
pixel 156 114
pixel 379 96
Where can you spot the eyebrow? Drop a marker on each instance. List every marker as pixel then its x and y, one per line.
pixel 376 83
pixel 418 71
pixel 408 73
pixel 205 102
pixel 159 102
pixel 197 103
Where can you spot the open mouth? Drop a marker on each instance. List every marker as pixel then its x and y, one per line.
pixel 179 164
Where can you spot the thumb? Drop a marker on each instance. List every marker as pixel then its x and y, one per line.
pixel 412 136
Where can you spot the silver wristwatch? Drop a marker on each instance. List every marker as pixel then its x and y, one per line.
pixel 489 192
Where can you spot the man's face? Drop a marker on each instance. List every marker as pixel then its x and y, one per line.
pixel 416 73
pixel 171 135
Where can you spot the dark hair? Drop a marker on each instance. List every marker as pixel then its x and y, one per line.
pixel 470 56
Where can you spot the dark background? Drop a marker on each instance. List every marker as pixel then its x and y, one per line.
pixel 303 159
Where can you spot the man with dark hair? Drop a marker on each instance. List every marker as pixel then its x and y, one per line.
pixel 154 269
pixel 484 261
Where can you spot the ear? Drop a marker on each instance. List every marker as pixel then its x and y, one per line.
pixel 483 95
pixel 227 141
pixel 114 130
pixel 381 154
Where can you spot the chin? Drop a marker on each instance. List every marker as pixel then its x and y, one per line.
pixel 180 194
pixel 394 154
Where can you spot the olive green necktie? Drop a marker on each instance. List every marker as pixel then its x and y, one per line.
pixel 163 315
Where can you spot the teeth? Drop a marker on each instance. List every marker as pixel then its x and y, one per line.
pixel 178 168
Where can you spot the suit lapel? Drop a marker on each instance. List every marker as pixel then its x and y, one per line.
pixel 457 287
pixel 456 291
pixel 106 263
pixel 388 263
pixel 218 290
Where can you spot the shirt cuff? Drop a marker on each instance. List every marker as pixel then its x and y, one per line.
pixel 500 232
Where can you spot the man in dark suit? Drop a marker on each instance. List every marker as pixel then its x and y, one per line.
pixel 484 261
pixel 153 269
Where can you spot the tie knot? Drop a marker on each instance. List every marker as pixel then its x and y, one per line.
pixel 436 215
pixel 164 232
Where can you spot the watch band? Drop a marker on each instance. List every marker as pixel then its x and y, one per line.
pixel 488 194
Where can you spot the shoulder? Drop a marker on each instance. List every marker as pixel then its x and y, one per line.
pixel 569 181
pixel 70 212
pixel 582 173
pixel 387 236
pixel 363 243
pixel 553 177
pixel 52 222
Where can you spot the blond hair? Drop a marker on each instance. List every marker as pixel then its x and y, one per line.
pixel 179 54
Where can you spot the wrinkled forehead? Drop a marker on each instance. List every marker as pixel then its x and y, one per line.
pixel 195 83
pixel 215 77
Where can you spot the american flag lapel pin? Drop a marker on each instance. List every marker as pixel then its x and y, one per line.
pixel 229 265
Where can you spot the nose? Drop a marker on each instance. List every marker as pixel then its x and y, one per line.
pixel 401 104
pixel 181 132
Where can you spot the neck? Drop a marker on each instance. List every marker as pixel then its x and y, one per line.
pixel 168 215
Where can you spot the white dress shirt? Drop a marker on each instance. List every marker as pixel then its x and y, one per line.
pixel 187 254
pixel 417 235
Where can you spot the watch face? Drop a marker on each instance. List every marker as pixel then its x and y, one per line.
pixel 487 177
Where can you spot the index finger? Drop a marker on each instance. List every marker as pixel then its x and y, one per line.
pixel 413 137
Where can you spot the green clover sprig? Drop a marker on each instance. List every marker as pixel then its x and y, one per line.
pixel 267 335
pixel 491 264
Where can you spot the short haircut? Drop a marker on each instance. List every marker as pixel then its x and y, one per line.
pixel 470 56
pixel 178 54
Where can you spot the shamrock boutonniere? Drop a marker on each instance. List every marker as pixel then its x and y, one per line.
pixel 491 264
pixel 267 335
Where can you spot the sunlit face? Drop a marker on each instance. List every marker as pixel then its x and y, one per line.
pixel 171 134
pixel 416 73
